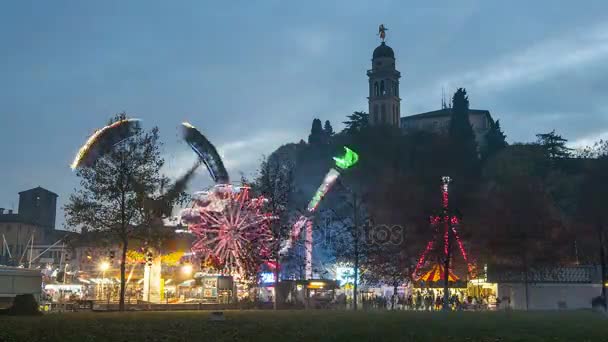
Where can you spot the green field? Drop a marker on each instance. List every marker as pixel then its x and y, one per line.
pixel 308 326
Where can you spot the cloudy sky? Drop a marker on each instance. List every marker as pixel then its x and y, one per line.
pixel 253 74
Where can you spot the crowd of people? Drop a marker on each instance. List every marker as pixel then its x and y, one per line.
pixel 429 300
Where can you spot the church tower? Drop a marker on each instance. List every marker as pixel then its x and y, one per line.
pixel 384 101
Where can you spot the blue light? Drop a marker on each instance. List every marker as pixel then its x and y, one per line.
pixel 345 275
pixel 267 277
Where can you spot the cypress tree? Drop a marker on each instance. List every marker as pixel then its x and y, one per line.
pixel 316 133
pixel 495 140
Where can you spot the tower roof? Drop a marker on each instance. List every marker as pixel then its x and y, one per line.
pixel 383 50
pixel 38 189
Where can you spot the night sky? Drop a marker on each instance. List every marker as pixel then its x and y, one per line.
pixel 253 75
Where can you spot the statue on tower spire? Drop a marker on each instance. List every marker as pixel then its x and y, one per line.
pixel 382 32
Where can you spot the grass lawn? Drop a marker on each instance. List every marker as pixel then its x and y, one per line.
pixel 309 326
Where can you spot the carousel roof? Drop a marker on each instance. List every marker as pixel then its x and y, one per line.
pixel 436 273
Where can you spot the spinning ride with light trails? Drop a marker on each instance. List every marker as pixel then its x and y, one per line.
pixel 103 140
pixel 230 225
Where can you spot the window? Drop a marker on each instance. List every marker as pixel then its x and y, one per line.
pixel 376 91
pixel 382 90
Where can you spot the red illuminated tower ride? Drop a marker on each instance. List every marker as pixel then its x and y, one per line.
pixel 445 224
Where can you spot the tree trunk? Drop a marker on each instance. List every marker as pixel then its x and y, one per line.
pixel 525 264
pixel 602 260
pixel 123 260
pixel 125 238
pixel 276 282
pixel 356 250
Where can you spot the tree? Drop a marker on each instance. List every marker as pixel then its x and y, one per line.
pixel 462 159
pixel 495 141
pixel 460 131
pixel 525 228
pixel 329 131
pixel 388 261
pixel 356 122
pixel 352 246
pixel 108 199
pixel 527 231
pixel 399 207
pixel 316 133
pixel 276 183
pixel 592 204
pixel 553 144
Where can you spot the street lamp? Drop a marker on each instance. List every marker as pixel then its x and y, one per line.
pixel 103 267
pixel 187 269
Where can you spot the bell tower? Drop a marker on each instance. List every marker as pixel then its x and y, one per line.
pixel 384 101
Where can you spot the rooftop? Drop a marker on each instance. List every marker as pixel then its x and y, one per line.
pixel 442 113
pixel 383 50
pixel 38 189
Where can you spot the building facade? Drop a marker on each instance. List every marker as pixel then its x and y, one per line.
pixel 29 232
pixel 555 288
pixel 438 121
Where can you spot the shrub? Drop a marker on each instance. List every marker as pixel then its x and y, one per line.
pixel 24 305
pixel 598 302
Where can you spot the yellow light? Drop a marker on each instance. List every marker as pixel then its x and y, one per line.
pixel 104 266
pixel 316 285
pixel 187 269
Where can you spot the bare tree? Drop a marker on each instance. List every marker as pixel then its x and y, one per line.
pixel 276 183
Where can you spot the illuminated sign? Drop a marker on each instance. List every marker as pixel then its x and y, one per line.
pixel 267 277
pixel 316 285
